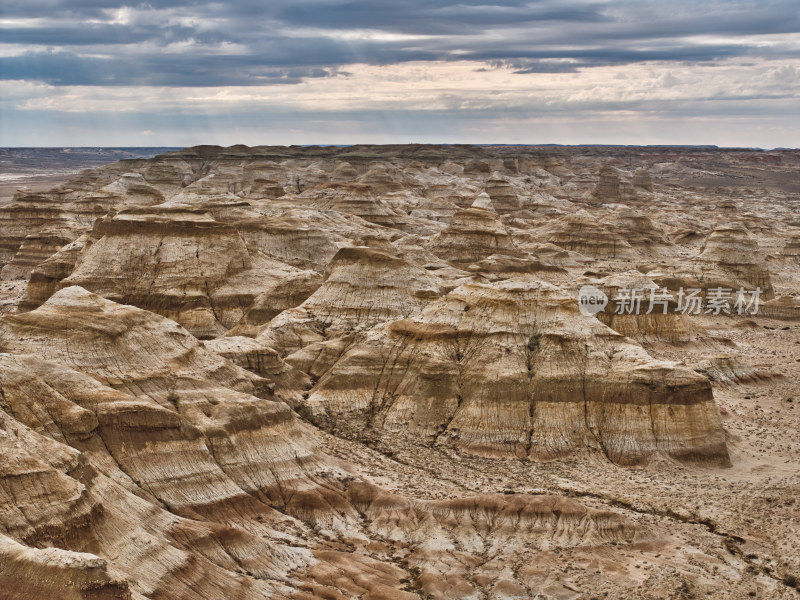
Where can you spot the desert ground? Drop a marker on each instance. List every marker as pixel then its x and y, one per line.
pixel 367 372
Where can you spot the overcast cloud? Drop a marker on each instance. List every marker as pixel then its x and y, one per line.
pixel 95 72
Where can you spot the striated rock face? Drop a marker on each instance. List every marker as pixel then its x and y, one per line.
pixel 27 216
pixel 180 263
pixel 483 201
pixel 503 197
pixel 264 361
pixel 364 287
pixel 362 372
pixel 608 185
pixel 379 178
pixel 358 200
pixel 641 179
pixel 514 369
pixel 729 369
pixel 28 573
pixel 142 441
pixel 279 295
pixel 35 248
pixel 48 274
pixel 583 233
pixel 165 477
pixel 266 188
pixel 71 325
pixel 639 309
pixel 641 233
pixel 792 247
pixel 472 235
pixel 735 259
pixel 729 244
pixel 785 308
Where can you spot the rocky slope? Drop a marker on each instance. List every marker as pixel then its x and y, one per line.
pixel 365 372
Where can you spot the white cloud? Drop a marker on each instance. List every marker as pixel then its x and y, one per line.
pixel 442 86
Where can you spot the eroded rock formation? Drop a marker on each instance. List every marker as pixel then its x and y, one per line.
pixel 302 372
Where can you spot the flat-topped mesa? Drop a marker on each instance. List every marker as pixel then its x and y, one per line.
pixel 583 233
pixel 736 260
pixel 514 369
pixel 472 235
pixel 504 198
pixel 166 261
pixel 640 310
pixel 177 262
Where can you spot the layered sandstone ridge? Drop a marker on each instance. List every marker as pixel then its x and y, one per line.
pixel 515 369
pixel 140 435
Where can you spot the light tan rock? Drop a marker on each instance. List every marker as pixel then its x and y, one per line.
pixel 585 234
pixel 29 215
pixel 641 310
pixel 472 235
pixel 363 287
pixel 504 198
pixel 34 249
pixel 514 369
pixel 608 186
pixel 735 257
pixel 641 179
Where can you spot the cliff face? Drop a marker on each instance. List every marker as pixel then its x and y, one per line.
pixel 180 263
pixel 514 369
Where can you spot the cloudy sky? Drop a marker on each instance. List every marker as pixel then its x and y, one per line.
pixel 183 72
